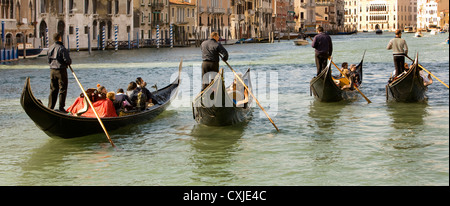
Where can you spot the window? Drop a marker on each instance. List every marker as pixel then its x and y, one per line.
pixel 60 7
pixel 94 6
pixel 116 6
pixel 70 6
pixel 86 6
pixel 129 7
pixel 109 7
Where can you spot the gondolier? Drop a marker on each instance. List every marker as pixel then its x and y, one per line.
pixel 59 60
pixel 210 56
pixel 323 49
pixel 399 50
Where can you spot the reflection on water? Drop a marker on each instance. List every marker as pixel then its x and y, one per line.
pixel 324 116
pixel 324 121
pixel 407 115
pixel 409 124
pixel 53 156
pixel 213 151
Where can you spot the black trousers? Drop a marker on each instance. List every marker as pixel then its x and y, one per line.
pixel 399 62
pixel 209 71
pixel 58 87
pixel 321 62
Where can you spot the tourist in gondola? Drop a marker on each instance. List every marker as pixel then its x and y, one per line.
pixel 323 49
pixel 354 75
pixel 59 59
pixel 238 92
pixel 211 49
pixel 399 51
pixel 141 85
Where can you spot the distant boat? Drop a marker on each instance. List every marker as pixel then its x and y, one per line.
pixel 408 29
pixel 43 52
pixel 301 42
pixel 418 34
pixel 227 41
pixel 30 51
pixel 378 31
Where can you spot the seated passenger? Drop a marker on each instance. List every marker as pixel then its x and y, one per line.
pixel 101 91
pixel 354 76
pixel 238 92
pixel 141 85
pixel 124 99
pixel 344 68
pixel 344 83
pixel 427 80
pixel 130 88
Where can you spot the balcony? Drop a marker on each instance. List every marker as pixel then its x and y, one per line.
pixel 218 10
pixel 157 22
pixel 158 6
pixel 201 9
pixel 250 12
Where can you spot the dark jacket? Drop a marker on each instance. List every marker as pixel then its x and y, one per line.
pixel 211 50
pixel 58 56
pixel 322 43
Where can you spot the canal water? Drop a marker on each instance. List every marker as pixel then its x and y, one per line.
pixel 344 143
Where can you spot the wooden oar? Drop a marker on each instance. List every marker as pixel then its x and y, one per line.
pixel 428 72
pixel 242 82
pixel 92 107
pixel 367 99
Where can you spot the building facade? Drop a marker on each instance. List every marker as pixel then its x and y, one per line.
pixel 284 15
pixel 213 15
pixel 19 20
pixel 100 20
pixel 370 15
pixel 330 15
pixel 183 19
pixel 305 15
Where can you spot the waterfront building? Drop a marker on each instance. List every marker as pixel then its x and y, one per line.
pixel 148 15
pixel 251 18
pixel 284 15
pixel 305 15
pixel 262 18
pixel 428 15
pixel 19 20
pixel 213 15
pixel 330 14
pixel 443 8
pixel 184 20
pixel 370 15
pixel 80 19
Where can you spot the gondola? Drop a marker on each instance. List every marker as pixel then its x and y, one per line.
pixel 325 89
pixel 215 107
pixel 59 125
pixel 408 87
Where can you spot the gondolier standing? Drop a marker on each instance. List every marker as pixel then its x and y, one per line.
pixel 211 49
pixel 399 50
pixel 59 60
pixel 323 49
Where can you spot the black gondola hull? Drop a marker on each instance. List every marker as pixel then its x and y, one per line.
pixel 408 88
pixel 325 89
pixel 59 125
pixel 217 109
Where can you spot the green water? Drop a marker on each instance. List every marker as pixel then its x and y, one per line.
pixel 345 143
